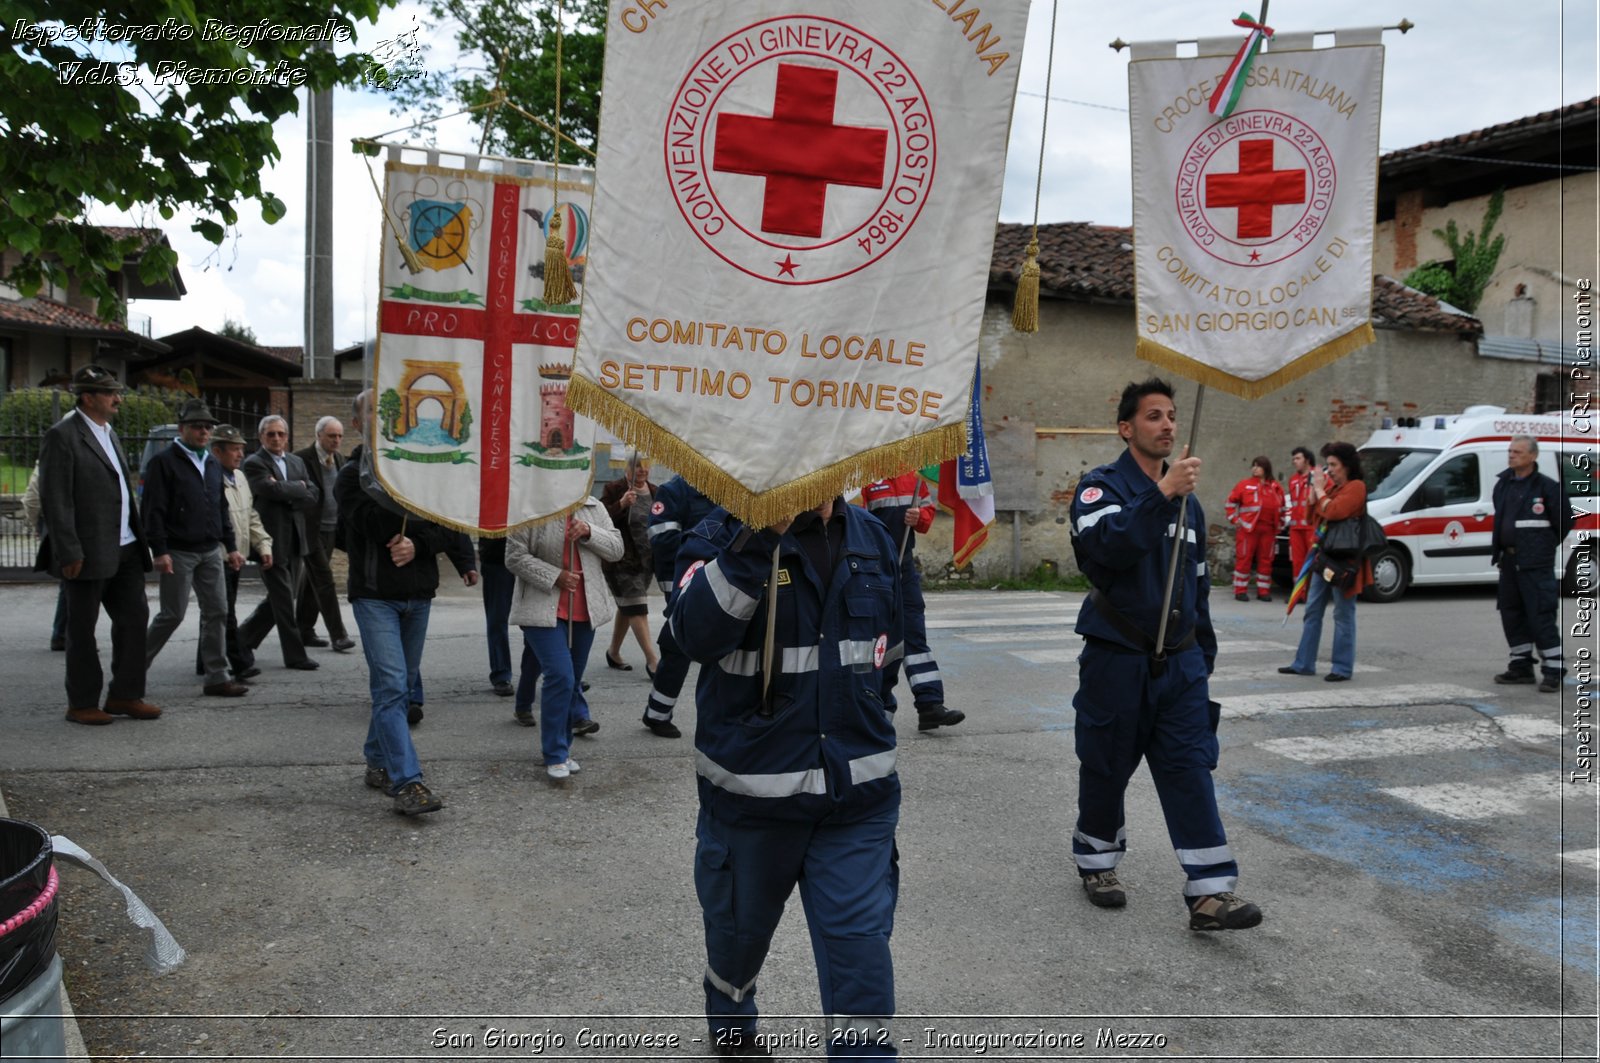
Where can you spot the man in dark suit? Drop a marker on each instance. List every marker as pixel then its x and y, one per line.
pixel 317 591
pixel 284 493
pixel 193 543
pixel 94 541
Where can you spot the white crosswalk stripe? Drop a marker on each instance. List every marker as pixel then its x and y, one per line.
pixel 1589 858
pixel 1511 796
pixel 1344 697
pixel 1053 619
pixel 1414 741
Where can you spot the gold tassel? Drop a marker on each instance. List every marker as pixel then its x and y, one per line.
pixel 558 289
pixel 1025 314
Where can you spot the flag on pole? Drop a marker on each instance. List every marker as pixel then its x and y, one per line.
pixel 965 486
pixel 1302 579
pixel 471 366
pixel 1254 232
pixel 795 216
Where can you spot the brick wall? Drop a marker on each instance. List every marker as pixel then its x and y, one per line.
pixel 314 399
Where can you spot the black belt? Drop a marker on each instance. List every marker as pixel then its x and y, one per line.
pixel 1133 633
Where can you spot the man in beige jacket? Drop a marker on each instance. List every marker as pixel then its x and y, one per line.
pixel 227 446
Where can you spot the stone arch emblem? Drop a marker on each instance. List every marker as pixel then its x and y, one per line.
pixel 454 400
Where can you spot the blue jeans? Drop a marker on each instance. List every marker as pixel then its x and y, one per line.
pixel 1344 629
pixel 561 701
pixel 499 585
pixel 392 636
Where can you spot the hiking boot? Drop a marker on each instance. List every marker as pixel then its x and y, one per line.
pixel 503 688
pixel 1222 911
pixel 525 719
pixel 1549 684
pixel 585 727
pixel 1511 676
pixel 938 716
pixel 662 728
pixel 377 778
pixel 1263 597
pixel 414 799
pixel 1241 597
pixel 414 714
pixel 1104 890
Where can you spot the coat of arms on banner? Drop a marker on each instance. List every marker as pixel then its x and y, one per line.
pixel 795 215
pixel 1254 231
pixel 472 367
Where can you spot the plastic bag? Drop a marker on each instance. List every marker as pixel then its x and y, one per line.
pixel 28 905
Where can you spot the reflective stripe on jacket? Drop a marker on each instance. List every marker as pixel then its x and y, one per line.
pixel 826 744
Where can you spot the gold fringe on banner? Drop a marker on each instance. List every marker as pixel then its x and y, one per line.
pixel 473 529
pixel 586 397
pixel 1025 313
pixel 1190 369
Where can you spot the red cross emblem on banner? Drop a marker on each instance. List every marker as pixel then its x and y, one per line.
pixel 1255 189
pixel 800 151
pixel 498 325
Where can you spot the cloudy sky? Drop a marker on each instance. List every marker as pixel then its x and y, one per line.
pixel 1466 64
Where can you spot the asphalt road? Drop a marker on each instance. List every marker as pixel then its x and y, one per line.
pixel 1428 875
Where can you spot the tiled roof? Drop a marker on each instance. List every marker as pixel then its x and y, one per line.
pixel 1077 260
pixel 289 355
pixel 49 314
pixel 1491 137
pixel 122 232
pixel 1094 263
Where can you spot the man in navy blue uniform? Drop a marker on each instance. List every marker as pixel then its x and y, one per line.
pixel 677 509
pixel 1136 700
pixel 1530 521
pixel 797 786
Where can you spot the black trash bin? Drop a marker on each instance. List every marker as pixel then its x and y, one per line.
pixel 30 972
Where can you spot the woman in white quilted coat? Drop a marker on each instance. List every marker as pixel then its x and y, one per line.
pixel 560 587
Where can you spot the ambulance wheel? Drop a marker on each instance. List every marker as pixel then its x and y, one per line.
pixel 1391 575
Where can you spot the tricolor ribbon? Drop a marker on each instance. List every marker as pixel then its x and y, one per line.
pixel 1226 96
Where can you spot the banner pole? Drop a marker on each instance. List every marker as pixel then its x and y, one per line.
pixel 767 666
pixel 1179 529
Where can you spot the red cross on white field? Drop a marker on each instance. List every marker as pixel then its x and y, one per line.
pixel 1255 189
pixel 800 151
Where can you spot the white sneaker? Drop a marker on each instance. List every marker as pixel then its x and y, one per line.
pixel 572 766
pixel 557 771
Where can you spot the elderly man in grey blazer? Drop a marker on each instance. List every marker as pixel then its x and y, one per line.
pixel 284 492
pixel 94 541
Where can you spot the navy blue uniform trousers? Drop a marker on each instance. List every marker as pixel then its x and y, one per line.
pixel 1528 600
pixel 849 878
pixel 1124 715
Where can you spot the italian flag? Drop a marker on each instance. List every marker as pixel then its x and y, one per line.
pixel 964 487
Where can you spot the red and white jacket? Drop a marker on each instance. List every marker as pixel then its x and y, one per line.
pixel 1298 515
pixel 888 500
pixel 1255 503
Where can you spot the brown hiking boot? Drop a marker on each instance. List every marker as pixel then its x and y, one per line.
pixel 1222 911
pixel 1104 890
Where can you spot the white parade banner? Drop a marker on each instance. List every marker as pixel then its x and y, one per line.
pixel 472 366
pixel 796 206
pixel 1253 233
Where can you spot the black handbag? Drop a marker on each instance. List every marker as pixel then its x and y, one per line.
pixel 1353 538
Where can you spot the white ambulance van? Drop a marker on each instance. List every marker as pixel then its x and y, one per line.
pixel 1430 483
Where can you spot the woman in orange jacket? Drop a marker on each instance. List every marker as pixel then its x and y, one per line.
pixel 1255 509
pixel 1338 493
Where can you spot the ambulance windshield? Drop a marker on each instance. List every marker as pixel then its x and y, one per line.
pixel 1388 470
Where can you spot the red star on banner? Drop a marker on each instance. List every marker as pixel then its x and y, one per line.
pixel 1255 256
pixel 786 267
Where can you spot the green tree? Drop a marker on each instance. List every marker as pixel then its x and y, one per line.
pixel 1476 256
pixel 88 120
pixel 236 330
pixel 513 42
pixel 388 412
pixel 464 423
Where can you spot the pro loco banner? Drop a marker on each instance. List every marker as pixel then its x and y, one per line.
pixel 472 367
pixel 1253 232
pixel 796 208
